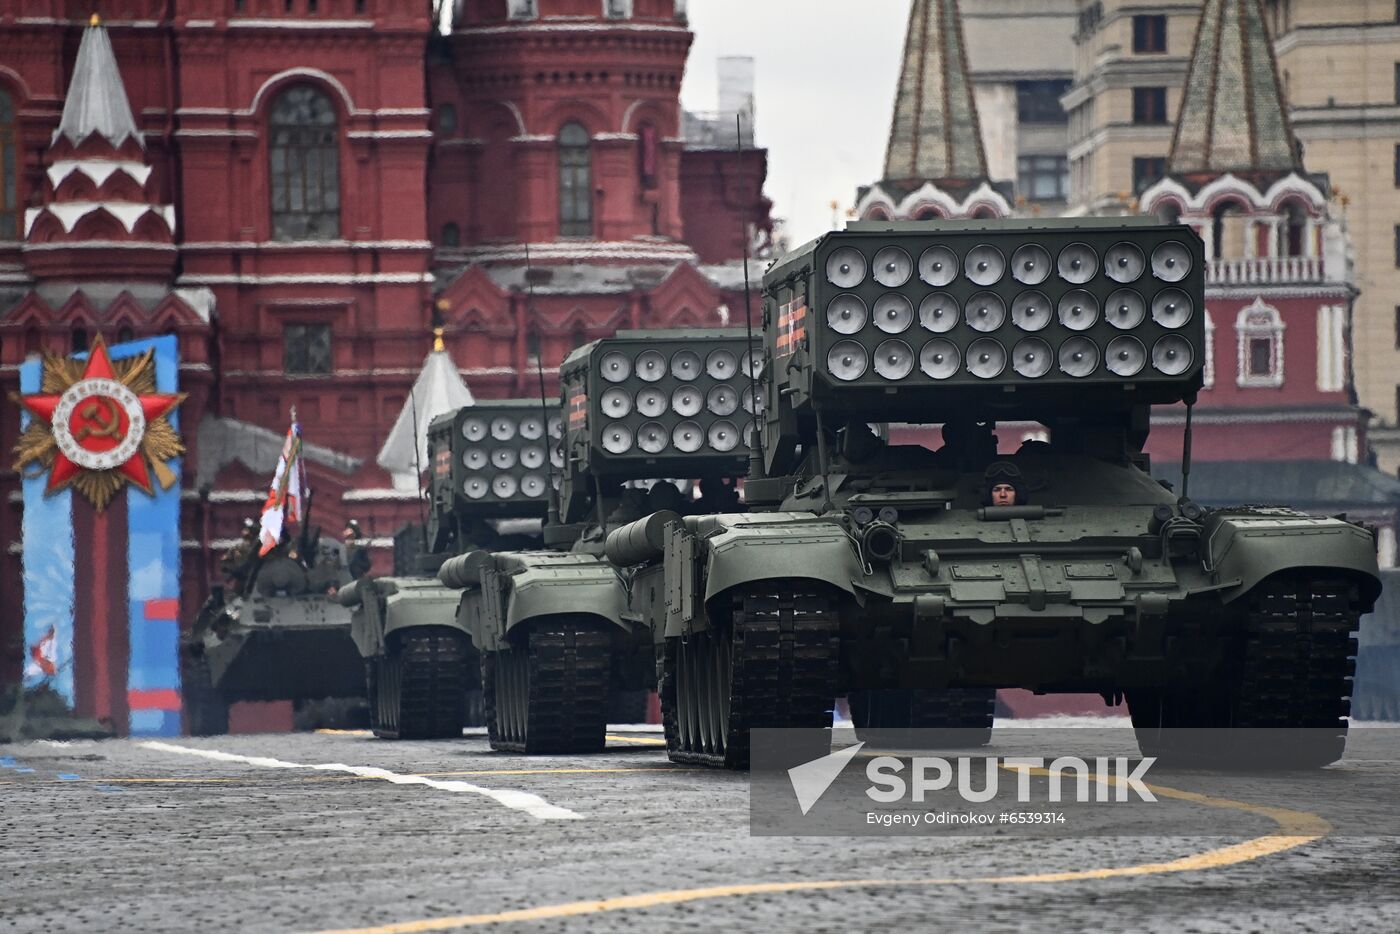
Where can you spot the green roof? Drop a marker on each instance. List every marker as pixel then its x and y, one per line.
pixel 1309 485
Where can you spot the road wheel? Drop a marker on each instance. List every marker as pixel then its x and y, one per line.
pixel 547 693
pixel 769 662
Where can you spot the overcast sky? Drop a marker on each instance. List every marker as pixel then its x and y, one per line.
pixel 825 86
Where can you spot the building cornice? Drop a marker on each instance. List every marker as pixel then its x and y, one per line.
pixel 1357 34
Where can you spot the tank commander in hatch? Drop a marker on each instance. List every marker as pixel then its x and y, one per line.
pixel 238 562
pixel 357 560
pixel 1004 485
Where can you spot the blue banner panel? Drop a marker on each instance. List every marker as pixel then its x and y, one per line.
pixel 48 562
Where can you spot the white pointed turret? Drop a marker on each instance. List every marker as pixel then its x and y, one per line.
pixel 439 389
pixel 96 101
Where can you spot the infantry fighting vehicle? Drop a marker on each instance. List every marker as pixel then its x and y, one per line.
pixel 490 470
pixel 283 639
pixel 885 571
pixel 554 627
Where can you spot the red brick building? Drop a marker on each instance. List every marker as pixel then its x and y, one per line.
pixel 301 189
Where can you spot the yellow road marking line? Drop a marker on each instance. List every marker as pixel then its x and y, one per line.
pixel 1295 829
pixel 639 740
pixel 330 732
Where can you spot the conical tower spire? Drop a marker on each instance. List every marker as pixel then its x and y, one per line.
pixel 1233 115
pixel 96 101
pixel 935 134
pixel 100 188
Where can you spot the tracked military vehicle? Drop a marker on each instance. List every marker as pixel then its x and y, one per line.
pixel 285 638
pixel 490 470
pixel 890 573
pixel 561 631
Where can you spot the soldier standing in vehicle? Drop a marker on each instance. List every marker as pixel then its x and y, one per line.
pixel 238 562
pixel 357 560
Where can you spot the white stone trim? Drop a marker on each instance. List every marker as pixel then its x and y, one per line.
pixel 98 170
pixel 334 374
pixel 1344 444
pixel 126 212
pixel 663 251
pixel 931 195
pixel 1331 348
pixel 390 134
pixel 329 245
pixel 1267 323
pixel 1293 184
pixel 96 245
pixel 300 24
pixel 381 495
pixel 233 134
pixel 237 496
pixel 304 72
pixel 401 278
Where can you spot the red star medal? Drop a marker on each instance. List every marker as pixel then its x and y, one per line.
pixel 98 423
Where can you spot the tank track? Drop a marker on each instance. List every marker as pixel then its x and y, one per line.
pixel 549 696
pixel 206 710
pixel 951 717
pixel 782 644
pixel 1299 661
pixel 418 687
pixel 1293 674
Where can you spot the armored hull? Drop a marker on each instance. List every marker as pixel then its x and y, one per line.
pixel 287 640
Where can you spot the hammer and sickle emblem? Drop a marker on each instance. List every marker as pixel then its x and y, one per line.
pixel 98 426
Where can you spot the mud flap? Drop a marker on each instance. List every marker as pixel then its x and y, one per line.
pixel 684 593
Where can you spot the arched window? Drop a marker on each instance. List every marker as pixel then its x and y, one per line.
pixel 1169 212
pixel 451 235
pixel 1293 231
pixel 9 171
pixel 648 141
pixel 124 334
pixel 1259 329
pixel 575 182
pixel 1228 231
pixel 304 163
pixel 79 340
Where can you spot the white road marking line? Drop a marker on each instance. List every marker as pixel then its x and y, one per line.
pixel 531 804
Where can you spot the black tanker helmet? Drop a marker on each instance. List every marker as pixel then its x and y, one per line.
pixel 1003 472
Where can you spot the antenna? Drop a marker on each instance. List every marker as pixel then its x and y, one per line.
pixel 553 516
pixel 418 466
pixel 757 446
